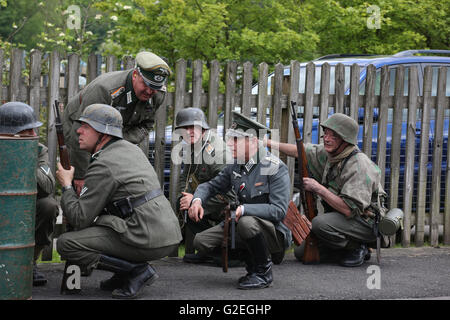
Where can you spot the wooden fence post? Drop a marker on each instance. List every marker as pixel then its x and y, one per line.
pixel 35 81
pixel 213 93
pixel 15 74
pixel 437 159
pixel 408 182
pixel 230 93
pixel 383 112
pixel 369 104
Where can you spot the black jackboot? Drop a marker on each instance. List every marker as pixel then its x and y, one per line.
pixel 134 276
pixel 261 276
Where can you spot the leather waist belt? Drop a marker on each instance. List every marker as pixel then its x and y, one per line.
pixel 123 208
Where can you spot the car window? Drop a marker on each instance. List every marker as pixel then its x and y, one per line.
pixel 435 73
pixel 392 75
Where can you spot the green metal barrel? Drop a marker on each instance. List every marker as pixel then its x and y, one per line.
pixel 18 189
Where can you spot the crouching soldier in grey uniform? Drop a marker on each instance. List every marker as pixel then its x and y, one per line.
pixel 19 118
pixel 261 182
pixel 205 157
pixel 136 93
pixel 121 218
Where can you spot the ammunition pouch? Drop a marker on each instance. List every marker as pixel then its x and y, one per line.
pixel 124 208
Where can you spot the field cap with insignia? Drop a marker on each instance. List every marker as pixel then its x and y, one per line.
pixel 153 70
pixel 245 127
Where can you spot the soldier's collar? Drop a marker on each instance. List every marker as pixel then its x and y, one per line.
pixel 97 154
pixel 129 91
pixel 205 145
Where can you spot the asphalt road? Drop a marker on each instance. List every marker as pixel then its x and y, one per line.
pixel 405 273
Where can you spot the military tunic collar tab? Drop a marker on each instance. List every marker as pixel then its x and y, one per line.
pixel 131 96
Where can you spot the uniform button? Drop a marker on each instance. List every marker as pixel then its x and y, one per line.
pixel 260 192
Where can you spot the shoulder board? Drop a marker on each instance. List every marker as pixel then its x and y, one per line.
pixel 117 92
pixel 272 159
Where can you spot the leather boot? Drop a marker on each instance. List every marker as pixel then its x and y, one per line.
pixel 115 282
pixel 355 257
pixel 262 275
pixel 38 278
pixel 249 266
pixel 134 276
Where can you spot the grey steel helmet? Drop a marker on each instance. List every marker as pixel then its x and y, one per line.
pixel 17 116
pixel 344 126
pixel 103 118
pixel 190 117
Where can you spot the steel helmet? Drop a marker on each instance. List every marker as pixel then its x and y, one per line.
pixel 344 126
pixel 103 118
pixel 17 116
pixel 190 117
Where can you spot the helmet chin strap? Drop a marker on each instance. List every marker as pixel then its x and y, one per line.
pixel 337 148
pixel 99 140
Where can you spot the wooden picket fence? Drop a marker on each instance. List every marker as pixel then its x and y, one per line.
pixel 237 80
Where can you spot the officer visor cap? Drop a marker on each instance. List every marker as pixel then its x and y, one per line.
pixel 153 70
pixel 245 127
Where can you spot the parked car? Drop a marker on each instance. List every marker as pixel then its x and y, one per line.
pixel 433 58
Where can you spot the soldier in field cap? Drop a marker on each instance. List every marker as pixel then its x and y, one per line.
pixel 137 93
pixel 261 183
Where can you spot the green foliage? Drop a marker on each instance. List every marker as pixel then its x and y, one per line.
pixel 244 30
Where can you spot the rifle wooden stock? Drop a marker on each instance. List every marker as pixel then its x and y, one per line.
pixel 311 253
pixel 63 152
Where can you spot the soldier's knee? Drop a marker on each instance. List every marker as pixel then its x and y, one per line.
pixel 318 224
pixel 47 208
pixel 247 227
pixel 199 243
pixel 63 244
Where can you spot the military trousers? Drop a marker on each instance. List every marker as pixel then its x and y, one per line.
pixel 84 247
pixel 246 228
pixel 46 212
pixel 336 231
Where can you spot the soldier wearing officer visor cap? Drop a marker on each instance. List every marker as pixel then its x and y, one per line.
pixel 135 93
pixel 261 183
pixel 121 218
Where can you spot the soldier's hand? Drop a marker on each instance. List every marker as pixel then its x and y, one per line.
pixel 78 185
pixel 64 176
pixel 238 213
pixel 186 200
pixel 196 211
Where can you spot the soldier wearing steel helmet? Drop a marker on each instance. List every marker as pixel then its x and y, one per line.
pixel 348 183
pixel 121 218
pixel 19 118
pixel 205 156
pixel 136 93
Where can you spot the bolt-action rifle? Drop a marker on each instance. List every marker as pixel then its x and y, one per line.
pixel 308 202
pixel 65 162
